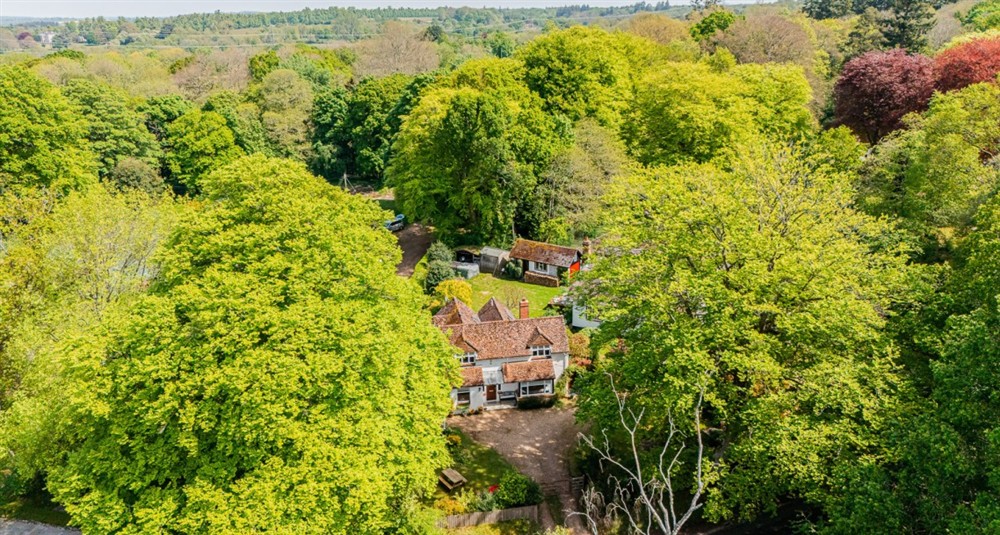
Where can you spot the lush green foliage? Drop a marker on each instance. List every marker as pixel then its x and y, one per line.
pixel 764 288
pixel 296 415
pixel 199 142
pixel 42 135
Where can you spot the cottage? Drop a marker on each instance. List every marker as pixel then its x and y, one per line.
pixel 543 263
pixel 503 357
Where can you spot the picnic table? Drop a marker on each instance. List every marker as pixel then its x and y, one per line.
pixel 451 479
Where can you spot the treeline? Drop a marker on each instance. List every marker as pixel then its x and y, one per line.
pixel 199 332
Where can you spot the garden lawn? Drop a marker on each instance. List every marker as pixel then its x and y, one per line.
pixel 481 465
pixel 510 293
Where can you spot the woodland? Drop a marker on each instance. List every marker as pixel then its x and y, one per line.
pixel 796 239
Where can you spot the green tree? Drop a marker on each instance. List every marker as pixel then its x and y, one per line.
pixel 244 119
pixel 329 158
pixel 468 156
pixel 115 130
pixel 762 286
pixel 285 101
pixel 199 142
pixel 689 112
pixel 586 72
pixel 42 136
pixel 907 24
pixel 59 277
pixel 265 382
pixel 716 21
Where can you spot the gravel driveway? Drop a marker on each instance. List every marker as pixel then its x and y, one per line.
pixel 537 442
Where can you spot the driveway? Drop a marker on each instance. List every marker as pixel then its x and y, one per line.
pixel 537 442
pixel 414 240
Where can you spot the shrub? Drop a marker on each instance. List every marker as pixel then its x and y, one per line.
pixel 439 252
pixel 513 270
pixel 536 402
pixel 453 440
pixel 516 490
pixel 437 272
pixel 457 288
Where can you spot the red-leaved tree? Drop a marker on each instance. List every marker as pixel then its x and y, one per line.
pixel 966 64
pixel 875 90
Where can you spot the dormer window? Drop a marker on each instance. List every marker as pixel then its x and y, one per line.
pixel 467 358
pixel 541 351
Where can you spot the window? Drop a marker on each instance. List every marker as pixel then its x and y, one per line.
pixel 541 351
pixel 543 268
pixel 468 358
pixel 536 387
pixel 463 397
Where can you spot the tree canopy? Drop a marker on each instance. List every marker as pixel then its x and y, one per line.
pixel 265 380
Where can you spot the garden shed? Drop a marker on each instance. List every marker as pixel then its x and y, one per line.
pixel 492 260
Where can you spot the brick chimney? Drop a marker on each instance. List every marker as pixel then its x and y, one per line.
pixel 523 309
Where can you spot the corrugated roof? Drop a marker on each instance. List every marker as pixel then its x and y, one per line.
pixel 533 370
pixel 545 253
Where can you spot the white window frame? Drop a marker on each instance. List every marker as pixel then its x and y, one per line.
pixel 468 396
pixel 540 267
pixel 541 351
pixel 466 359
pixel 526 386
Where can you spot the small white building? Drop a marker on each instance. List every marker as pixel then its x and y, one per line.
pixel 503 358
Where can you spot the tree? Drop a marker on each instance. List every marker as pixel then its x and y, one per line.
pixel 199 142
pixel 501 44
pixel 285 101
pixel 692 113
pixel 827 9
pixel 877 89
pixel 159 112
pixel 42 136
pixel 983 16
pixel 768 38
pixel 454 289
pixel 716 21
pixel 658 28
pixel 136 174
pixel 584 72
pixel 966 64
pixel 59 278
pixel 329 157
pixel 244 119
pixel 262 64
pixel 645 496
pixel 865 36
pixel 763 285
pixel 908 23
pixel 115 130
pixel 469 155
pixel 242 389
pixel 399 48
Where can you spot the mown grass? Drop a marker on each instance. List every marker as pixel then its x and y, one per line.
pixel 481 465
pixel 510 292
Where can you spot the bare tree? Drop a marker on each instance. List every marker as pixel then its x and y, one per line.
pixel 644 499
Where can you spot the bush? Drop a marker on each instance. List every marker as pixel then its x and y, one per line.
pixel 516 490
pixel 457 288
pixel 536 402
pixel 513 270
pixel 439 252
pixel 437 272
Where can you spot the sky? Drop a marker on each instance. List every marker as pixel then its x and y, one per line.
pixel 159 8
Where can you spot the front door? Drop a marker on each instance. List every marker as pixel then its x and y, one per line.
pixel 491 392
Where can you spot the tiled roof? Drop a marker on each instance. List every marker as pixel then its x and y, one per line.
pixel 539 339
pixel 545 253
pixel 493 310
pixel 472 376
pixel 506 339
pixel 454 312
pixel 533 370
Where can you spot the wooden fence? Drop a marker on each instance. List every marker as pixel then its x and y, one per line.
pixel 529 512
